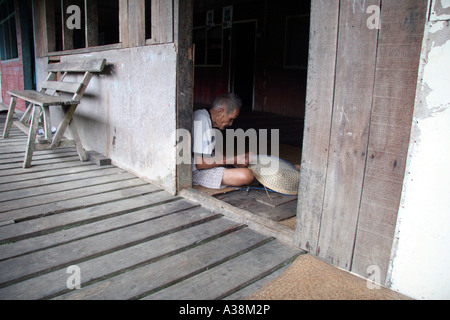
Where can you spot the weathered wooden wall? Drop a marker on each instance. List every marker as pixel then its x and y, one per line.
pixel 360 98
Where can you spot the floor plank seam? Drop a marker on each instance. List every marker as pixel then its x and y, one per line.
pixel 40 182
pixel 53 212
pixel 205 268
pixel 108 251
pixel 63 190
pixel 17 162
pixel 12 241
pixel 71 198
pixel 35 169
pixel 62 172
pixel 152 260
pixel 38 162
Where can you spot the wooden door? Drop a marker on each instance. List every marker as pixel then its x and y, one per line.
pixel 360 99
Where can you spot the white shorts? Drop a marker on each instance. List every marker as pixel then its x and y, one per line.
pixel 209 178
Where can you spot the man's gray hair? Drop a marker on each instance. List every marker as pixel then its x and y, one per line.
pixel 228 101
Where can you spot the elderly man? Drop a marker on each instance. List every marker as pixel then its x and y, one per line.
pixel 210 167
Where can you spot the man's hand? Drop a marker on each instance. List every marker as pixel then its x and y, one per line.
pixel 242 160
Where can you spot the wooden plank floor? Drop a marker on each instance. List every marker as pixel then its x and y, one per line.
pixel 129 239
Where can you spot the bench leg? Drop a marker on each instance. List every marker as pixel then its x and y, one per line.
pixel 32 136
pixel 46 123
pixel 68 123
pixel 59 134
pixel 26 116
pixel 81 152
pixel 8 123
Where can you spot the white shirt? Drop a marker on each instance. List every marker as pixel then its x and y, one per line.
pixel 203 138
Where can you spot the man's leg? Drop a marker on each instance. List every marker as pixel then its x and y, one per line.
pixel 237 177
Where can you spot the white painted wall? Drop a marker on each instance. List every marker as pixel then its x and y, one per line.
pixel 128 112
pixel 420 264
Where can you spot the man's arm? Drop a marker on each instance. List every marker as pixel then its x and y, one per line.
pixel 204 162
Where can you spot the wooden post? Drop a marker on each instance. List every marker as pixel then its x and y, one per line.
pixel 136 32
pixel 319 108
pixel 185 80
pixel 66 33
pixel 355 71
pixel 91 9
pixel 123 23
pixel 49 22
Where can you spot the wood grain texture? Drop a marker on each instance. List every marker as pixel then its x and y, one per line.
pixel 355 69
pixel 319 106
pixel 396 74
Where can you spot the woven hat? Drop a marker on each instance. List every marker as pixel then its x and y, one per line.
pixel 276 174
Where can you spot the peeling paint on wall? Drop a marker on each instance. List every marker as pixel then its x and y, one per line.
pixel 437 79
pixel 440 10
pixel 420 260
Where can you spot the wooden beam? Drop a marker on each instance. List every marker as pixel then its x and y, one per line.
pixel 67 33
pixel 91 16
pixel 257 223
pixel 399 47
pixel 319 108
pixel 166 21
pixel 355 71
pixel 90 65
pixel 155 22
pixel 123 22
pixel 162 21
pixel 185 81
pixel 40 28
pixel 136 23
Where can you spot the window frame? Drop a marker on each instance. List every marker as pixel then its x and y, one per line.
pixel 9 54
pixel 206 30
pixel 132 27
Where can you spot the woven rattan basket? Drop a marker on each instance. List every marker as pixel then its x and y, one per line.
pixel 276 174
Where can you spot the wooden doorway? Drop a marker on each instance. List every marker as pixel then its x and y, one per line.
pixel 356 133
pixel 258 58
pixel 360 100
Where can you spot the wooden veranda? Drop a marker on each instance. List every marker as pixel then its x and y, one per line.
pixel 127 239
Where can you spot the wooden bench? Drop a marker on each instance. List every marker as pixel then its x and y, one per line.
pixel 54 92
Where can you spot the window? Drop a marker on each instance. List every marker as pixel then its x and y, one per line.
pixel 297 42
pixel 208 46
pixel 82 23
pixel 8 32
